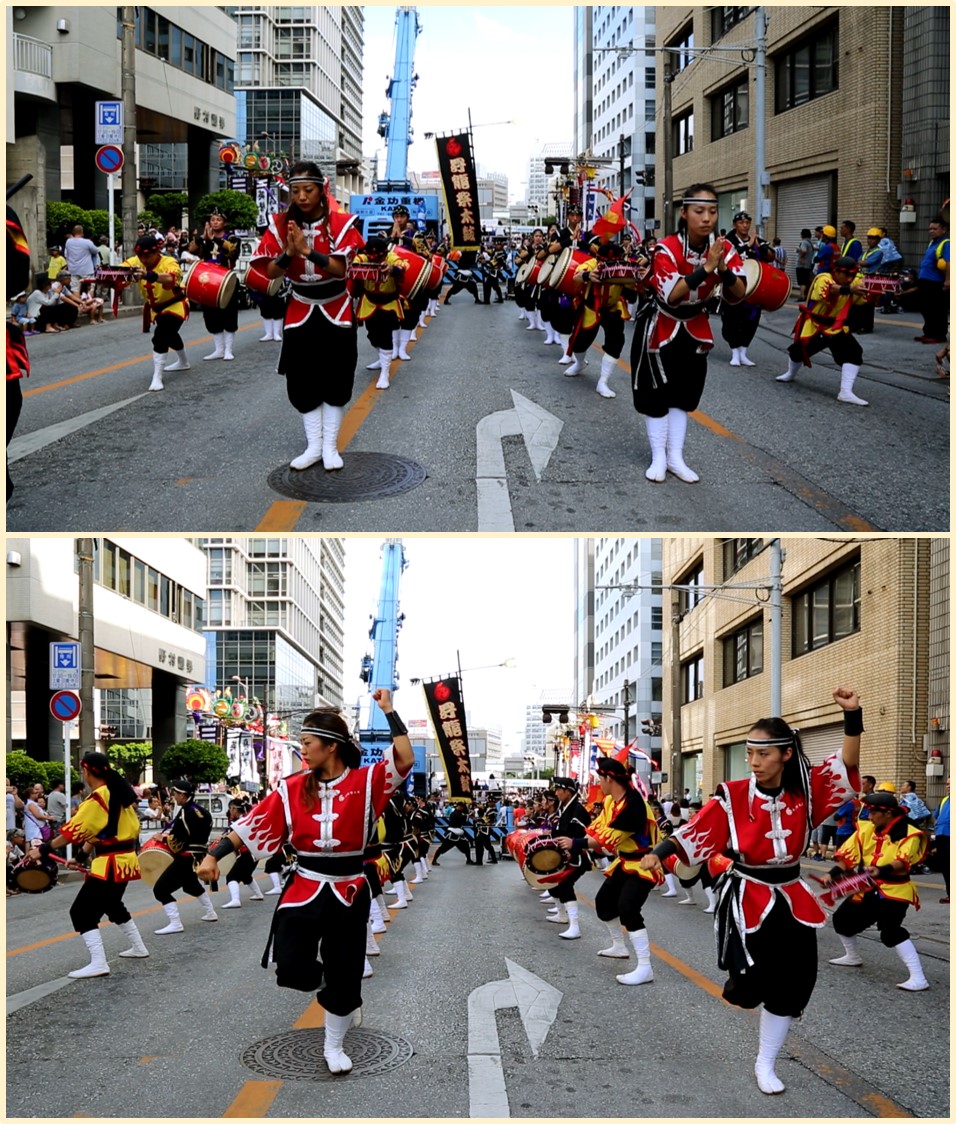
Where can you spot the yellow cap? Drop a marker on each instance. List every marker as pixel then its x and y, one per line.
pixel 886 786
pixel 874 232
pixel 829 231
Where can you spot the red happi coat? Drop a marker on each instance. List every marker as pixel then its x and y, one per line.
pixel 336 235
pixel 673 259
pixel 758 830
pixel 339 825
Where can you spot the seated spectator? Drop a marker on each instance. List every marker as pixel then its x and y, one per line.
pixel 69 301
pixel 20 316
pixel 15 851
pixel 90 305
pixel 57 262
pixel 46 307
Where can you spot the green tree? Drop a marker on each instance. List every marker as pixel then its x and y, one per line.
pixel 98 223
pixel 240 209
pixel 198 761
pixel 169 204
pixel 23 770
pixel 53 774
pixel 130 758
pixel 60 220
pixel 148 219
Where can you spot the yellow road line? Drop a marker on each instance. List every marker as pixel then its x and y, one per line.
pixel 254 1099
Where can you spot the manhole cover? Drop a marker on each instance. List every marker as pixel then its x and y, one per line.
pixel 366 476
pixel 297 1055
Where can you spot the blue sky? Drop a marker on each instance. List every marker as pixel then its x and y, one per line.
pixel 504 63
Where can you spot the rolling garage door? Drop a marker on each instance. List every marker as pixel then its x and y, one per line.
pixel 802 203
pixel 823 741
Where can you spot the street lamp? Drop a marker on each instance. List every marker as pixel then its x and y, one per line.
pixel 244 682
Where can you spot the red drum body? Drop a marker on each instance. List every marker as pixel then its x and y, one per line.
pixel 210 285
pixel 542 862
pixel 617 274
pixel 683 872
pixel 767 286
pixel 882 284
pixel 561 278
pixel 154 858
pixel 532 273
pixel 259 281
pixel 418 271
pixel 35 876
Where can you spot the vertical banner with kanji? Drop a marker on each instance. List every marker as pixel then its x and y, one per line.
pixel 459 178
pixel 448 720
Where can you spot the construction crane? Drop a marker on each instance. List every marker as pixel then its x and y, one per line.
pixel 380 669
pixel 396 126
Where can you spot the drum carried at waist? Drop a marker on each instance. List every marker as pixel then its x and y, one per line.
pixel 259 281
pixel 882 284
pixel 417 275
pixel 542 861
pixel 561 277
pixel 210 285
pixel 547 267
pixel 767 286
pixel 155 858
pixel 35 876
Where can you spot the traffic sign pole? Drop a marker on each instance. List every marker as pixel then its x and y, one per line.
pixel 65 706
pixel 66 780
pixel 111 230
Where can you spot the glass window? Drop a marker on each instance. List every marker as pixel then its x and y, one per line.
pixel 175 45
pixel 827 611
pixel 729 111
pixel 743 653
pixel 684 41
pixel 162 38
pixel 723 19
pixel 189 53
pixel 692 679
pixel 738 552
pixel 688 598
pixel 684 133
pixel 109 564
pixel 149 31
pixel 165 595
pixel 807 70
pixel 185 608
pixel 123 578
pixel 139 581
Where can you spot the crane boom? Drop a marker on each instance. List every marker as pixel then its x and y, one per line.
pixel 381 668
pixel 396 126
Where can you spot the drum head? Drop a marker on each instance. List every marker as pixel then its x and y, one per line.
pixel 154 858
pixel 544 858
pixel 522 275
pixel 684 872
pixel 752 272
pixel 228 288
pixel 226 864
pixel 35 879
pixel 546 267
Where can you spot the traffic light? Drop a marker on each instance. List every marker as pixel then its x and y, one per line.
pixel 564 167
pixel 560 711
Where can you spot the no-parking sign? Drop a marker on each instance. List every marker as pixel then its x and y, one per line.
pixel 109 158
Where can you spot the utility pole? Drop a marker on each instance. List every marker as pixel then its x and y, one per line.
pixel 760 174
pixel 676 617
pixel 129 134
pixel 620 153
pixel 87 648
pixel 627 685
pixel 776 627
pixel 668 146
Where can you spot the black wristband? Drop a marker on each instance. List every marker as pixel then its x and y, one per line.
pixel 853 722
pixel 284 260
pixel 886 871
pixel 44 848
pixel 321 260
pixel 665 850
pixel 224 847
pixel 395 725
pixel 698 277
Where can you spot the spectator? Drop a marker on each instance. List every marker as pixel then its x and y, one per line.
pixel 827 251
pixel 34 817
pixel 58 806
pixel 916 811
pixel 76 796
pixel 846 816
pixel 103 250
pixel 804 270
pixel 868 783
pixel 941 820
pixel 20 314
pixel 82 257
pixel 852 246
pixel 933 284
pixel 57 262
pixel 43 305
pixel 779 254
pixel 14 806
pixel 823 838
pixel 15 850
pixel 90 305
pixel 68 307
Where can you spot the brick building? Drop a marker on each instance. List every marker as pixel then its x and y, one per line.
pixel 846 137
pixel 864 613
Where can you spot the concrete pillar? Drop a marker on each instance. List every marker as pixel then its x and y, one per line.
pixel 44 732
pixel 169 714
pixel 29 155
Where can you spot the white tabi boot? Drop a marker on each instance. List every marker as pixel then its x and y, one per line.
pixel 267 331
pixel 371 944
pixel 383 909
pixel 657 439
pixel 255 893
pixel 617 948
pixel 735 357
pixel 158 368
pixel 175 924
pixel 312 421
pixel 228 337
pixel 793 369
pixel 671 883
pixel 335 1028
pixel 418 874
pixel 676 432
pixel 608 363
pixel 574 367
pixel 206 902
pixel 532 320
pixel 522 314
pixel 137 948
pixel 404 338
pixel 220 349
pixel 384 362
pixel 549 336
pixel 405 892
pixel 565 358
pixel 277 327
pixel 375 917
pixel 97 965
pixel 369 971
pixel 688 898
pixel 399 902
pixel 848 374
pixel 560 915
pixel 276 884
pixel 331 420
pixel 907 953
pixel 422 322
pixel 773 1032
pixel 643 973
pixel 181 364
pixel 572 932
pixel 745 360
pixel 851 953
pixel 234 902
pixel 395 335
pixel 545 896
pixel 711 899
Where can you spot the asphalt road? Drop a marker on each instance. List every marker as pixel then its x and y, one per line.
pixel 163 1037
pixel 480 397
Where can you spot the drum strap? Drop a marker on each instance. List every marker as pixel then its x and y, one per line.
pixel 124 846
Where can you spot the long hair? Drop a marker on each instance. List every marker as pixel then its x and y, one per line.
pixel 329 718
pixel 796 770
pixel 689 193
pixel 309 168
pixel 120 790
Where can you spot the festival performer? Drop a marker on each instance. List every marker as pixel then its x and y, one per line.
pixel 604 306
pixel 626 828
pixel 464 276
pixel 401 226
pixel 739 322
pixel 328 812
pixel 433 295
pixel 312 245
pixel 18 361
pixel 484 821
pixel 244 868
pixel 525 294
pixel 673 336
pixel 398 845
pixel 572 823
pixel 380 307
pixel 823 324
pixel 105 824
pixel 415 306
pixel 165 306
pixel 765 912
pixel 886 846
pixel 557 311
pixel 220 245
pixel 186 835
pixel 455 837
pixel 493 261
pixel 423 824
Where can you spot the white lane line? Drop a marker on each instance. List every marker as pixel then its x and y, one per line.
pixel 31 443
pixel 31 995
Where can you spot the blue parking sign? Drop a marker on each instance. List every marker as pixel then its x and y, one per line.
pixel 109 122
pixel 64 666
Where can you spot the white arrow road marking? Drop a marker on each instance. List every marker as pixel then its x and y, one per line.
pixel 537 1003
pixel 30 443
pixel 540 430
pixel 41 991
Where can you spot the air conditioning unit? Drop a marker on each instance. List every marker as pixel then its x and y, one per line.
pixel 63 26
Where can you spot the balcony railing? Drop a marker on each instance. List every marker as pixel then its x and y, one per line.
pixel 32 56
